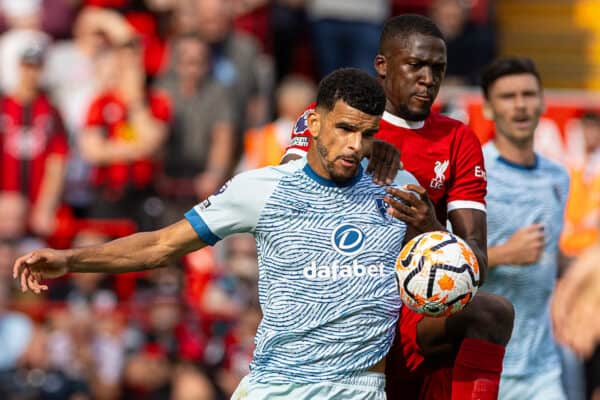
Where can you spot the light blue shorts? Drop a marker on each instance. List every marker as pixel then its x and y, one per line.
pixel 545 386
pixel 367 386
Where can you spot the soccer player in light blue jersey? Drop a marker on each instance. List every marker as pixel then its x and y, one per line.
pixel 525 205
pixel 327 245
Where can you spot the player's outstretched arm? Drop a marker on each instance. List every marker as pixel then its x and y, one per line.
pixel 140 251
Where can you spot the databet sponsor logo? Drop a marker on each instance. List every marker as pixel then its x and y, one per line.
pixel 347 240
pixel 337 271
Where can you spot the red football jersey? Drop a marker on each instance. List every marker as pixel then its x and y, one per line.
pixel 442 153
pixel 29 134
pixel 108 112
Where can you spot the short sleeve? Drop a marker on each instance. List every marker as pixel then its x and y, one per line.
pixel 160 106
pixel 235 207
pixel 468 186
pixel 301 136
pixel 94 115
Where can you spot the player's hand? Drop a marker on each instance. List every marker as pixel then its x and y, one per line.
pixel 413 206
pixel 384 162
pixel 575 303
pixel 525 246
pixel 32 268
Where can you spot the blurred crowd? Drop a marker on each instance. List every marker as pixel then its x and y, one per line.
pixel 120 115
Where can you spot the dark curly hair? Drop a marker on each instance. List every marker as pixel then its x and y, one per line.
pixel 355 87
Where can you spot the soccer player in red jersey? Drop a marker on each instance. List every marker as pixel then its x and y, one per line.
pixel 446 158
pixel 33 144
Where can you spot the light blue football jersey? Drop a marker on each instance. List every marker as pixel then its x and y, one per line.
pixel 326 256
pixel 519 196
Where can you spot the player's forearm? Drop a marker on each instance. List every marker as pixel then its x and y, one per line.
pixel 137 252
pixel 482 255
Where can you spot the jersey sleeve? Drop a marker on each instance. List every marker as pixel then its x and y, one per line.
pixel 94 114
pixel 301 136
pixel 231 209
pixel 468 186
pixel 160 106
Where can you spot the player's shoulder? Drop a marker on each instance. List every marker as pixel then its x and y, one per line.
pixel 451 126
pixel 403 177
pixel 438 119
pixel 552 168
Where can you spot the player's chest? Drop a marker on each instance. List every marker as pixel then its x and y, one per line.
pixel 513 203
pixel 432 164
pixel 348 225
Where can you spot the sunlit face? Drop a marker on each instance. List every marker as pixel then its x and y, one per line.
pixel 411 73
pixel 515 103
pixel 341 137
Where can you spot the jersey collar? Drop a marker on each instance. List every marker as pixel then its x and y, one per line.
pixel 401 122
pixel 330 183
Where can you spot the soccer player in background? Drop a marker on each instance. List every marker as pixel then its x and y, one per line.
pixel 445 156
pixel 526 201
pixel 327 247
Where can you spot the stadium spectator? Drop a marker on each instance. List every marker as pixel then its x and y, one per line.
pixel 70 77
pixel 199 151
pixel 523 240
pixel 34 144
pixel 346 34
pixel 126 127
pixel 266 145
pixel 235 62
pixel 23 20
pixel 190 383
pixel 289 31
pixel 470 46
pixel 582 219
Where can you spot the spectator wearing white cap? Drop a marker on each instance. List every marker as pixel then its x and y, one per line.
pixel 23 18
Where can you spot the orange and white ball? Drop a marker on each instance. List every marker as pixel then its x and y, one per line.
pixel 437 273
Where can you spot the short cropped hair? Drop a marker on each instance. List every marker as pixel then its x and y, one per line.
pixel 507 66
pixel 356 88
pixel 405 25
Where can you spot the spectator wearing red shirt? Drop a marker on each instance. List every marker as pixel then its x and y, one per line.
pixel 125 129
pixel 33 144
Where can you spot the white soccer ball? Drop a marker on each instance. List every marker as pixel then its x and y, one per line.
pixel 437 273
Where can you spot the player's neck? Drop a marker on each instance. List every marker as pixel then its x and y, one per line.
pixel 24 93
pixel 522 154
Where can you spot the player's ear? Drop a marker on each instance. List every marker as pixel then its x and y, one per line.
pixel 380 64
pixel 313 120
pixel 487 110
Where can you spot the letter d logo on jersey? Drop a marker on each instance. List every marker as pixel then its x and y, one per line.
pixel 347 239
